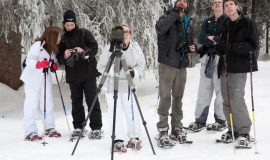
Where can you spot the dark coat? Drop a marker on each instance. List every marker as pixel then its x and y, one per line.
pixel 173 41
pixel 83 69
pixel 242 46
pixel 211 27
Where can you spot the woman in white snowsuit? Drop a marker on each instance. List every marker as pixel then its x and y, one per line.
pixel 40 57
pixel 126 104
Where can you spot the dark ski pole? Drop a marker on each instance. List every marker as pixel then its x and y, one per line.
pixel 45 71
pixel 252 102
pixel 64 108
pixel 228 89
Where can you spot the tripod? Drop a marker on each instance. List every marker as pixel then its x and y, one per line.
pixel 117 58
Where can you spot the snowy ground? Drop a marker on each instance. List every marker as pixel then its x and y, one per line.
pixel 13 147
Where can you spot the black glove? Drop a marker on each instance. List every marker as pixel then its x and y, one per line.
pixel 202 50
pixel 208 43
pixel 177 9
pixel 223 48
pixel 241 48
pixel 132 73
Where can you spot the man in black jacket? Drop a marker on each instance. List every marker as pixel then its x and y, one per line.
pixel 77 51
pixel 241 46
pixel 175 41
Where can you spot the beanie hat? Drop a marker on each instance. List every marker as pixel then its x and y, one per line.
pixel 69 16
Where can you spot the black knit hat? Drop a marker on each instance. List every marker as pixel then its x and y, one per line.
pixel 69 16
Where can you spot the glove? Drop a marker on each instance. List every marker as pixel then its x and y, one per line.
pixel 223 48
pixel 132 73
pixel 177 9
pixel 54 67
pixel 42 64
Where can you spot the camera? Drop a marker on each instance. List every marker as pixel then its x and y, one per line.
pixel 73 51
pixel 182 47
pixel 117 38
pixel 73 57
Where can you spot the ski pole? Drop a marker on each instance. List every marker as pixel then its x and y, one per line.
pixel 64 108
pixel 252 103
pixel 45 71
pixel 229 104
pixel 228 89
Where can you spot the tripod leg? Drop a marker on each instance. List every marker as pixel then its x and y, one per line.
pixel 115 97
pixel 103 78
pixel 133 90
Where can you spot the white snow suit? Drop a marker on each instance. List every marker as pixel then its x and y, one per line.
pixel 34 89
pixel 125 108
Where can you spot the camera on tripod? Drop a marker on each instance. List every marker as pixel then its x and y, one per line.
pixel 117 38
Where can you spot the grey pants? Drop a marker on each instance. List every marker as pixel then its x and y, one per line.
pixel 206 88
pixel 240 115
pixel 171 84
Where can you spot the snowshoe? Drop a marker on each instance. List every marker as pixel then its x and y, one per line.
pixel 227 137
pixel 216 126
pixel 179 135
pixel 195 127
pixel 164 141
pixel 134 143
pixel 244 141
pixel 76 134
pixel 119 147
pixel 33 136
pixel 52 133
pixel 95 134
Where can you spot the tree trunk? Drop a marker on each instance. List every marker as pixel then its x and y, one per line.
pixel 253 9
pixel 10 47
pixel 267 37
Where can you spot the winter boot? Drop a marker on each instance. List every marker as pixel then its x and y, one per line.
pixel 244 141
pixel 163 140
pixel 227 137
pixel 134 143
pixel 119 146
pixel 178 134
pixel 196 126
pixel 95 134
pixel 77 132
pixel 217 126
pixel 52 133
pixel 33 136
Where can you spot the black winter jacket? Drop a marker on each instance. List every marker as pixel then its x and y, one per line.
pixel 210 27
pixel 83 69
pixel 172 45
pixel 243 43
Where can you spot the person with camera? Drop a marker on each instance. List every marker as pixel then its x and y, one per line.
pixel 209 82
pixel 239 47
pixel 37 63
pixel 175 41
pixel 126 109
pixel 78 48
